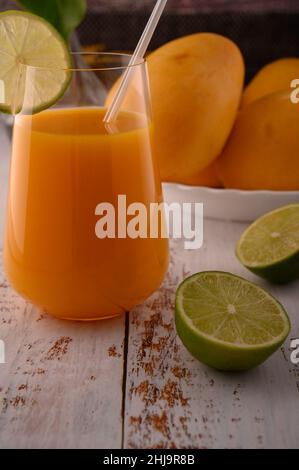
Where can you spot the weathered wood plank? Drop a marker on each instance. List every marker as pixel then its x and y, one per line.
pixel 61 385
pixel 174 401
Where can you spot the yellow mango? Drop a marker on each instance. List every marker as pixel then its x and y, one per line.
pixel 196 85
pixel 207 177
pixel 263 149
pixel 276 76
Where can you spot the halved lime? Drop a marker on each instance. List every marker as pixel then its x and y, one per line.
pixel 227 322
pixel 34 63
pixel 270 246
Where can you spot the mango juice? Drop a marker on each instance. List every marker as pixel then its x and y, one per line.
pixel 64 163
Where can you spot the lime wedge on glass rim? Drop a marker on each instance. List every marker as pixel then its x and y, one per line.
pixel 270 246
pixel 227 322
pixel 34 63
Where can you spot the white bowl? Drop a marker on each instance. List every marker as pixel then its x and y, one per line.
pixel 230 204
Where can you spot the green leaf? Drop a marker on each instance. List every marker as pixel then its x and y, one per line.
pixel 65 15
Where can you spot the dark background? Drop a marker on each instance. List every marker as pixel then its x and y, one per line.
pixel 264 30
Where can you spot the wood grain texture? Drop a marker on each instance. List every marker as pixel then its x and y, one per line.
pixel 173 401
pixel 61 385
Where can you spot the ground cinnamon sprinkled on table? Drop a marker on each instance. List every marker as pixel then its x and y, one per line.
pixel 164 445
pixel 149 368
pixel 23 387
pixel 135 420
pixel 158 375
pixel 40 371
pixel 171 393
pixel 168 326
pixel 17 401
pixel 160 423
pixel 160 345
pixel 184 422
pixel 142 387
pixel 149 329
pixel 148 392
pixel 181 372
pixel 112 352
pixel 135 319
pixel 59 348
pixel 92 377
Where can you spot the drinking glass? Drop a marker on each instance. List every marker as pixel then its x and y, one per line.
pixel 66 163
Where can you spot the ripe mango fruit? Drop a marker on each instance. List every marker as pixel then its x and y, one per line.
pixel 196 86
pixel 206 177
pixel 263 149
pixel 276 76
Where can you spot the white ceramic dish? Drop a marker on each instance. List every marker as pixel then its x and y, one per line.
pixel 230 204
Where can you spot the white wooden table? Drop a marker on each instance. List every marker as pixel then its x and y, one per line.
pixel 129 382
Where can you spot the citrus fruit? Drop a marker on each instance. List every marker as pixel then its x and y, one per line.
pixel 227 322
pixel 34 63
pixel 270 246
pixel 263 149
pixel 276 76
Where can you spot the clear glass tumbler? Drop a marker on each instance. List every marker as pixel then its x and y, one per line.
pixel 65 165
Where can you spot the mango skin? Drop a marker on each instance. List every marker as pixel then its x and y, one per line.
pixel 263 149
pixel 273 77
pixel 206 177
pixel 196 86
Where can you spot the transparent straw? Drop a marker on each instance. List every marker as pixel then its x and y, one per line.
pixel 139 53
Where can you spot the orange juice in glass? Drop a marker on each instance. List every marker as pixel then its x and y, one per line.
pixel 65 162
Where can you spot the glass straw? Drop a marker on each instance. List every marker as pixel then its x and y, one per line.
pixel 139 53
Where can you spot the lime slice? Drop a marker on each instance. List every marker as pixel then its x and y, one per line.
pixel 227 322
pixel 270 246
pixel 34 63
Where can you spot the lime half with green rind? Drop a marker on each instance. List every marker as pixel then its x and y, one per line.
pixel 228 322
pixel 35 64
pixel 270 246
